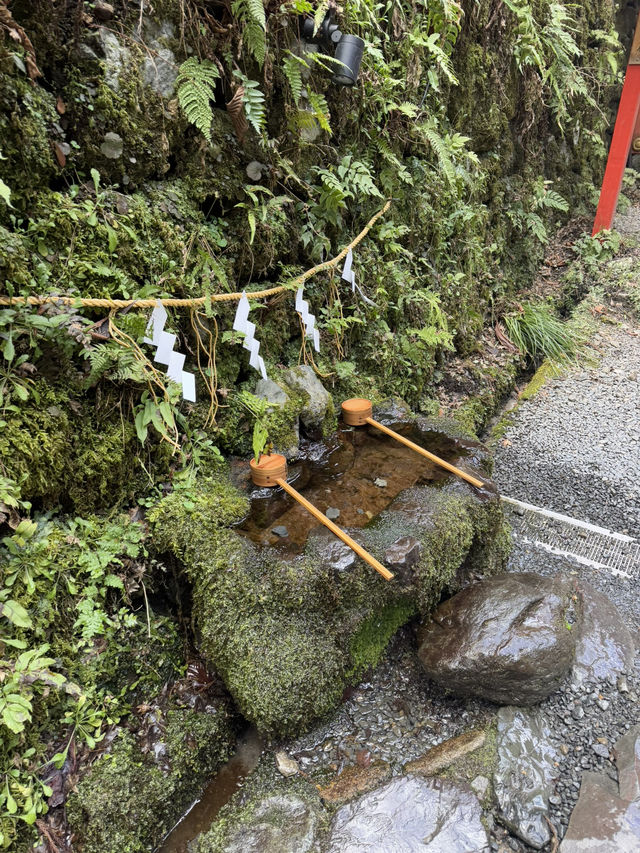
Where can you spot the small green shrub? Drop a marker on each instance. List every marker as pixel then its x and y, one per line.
pixel 539 334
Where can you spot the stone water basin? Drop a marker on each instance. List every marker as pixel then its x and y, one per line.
pixel 359 473
pixel 290 621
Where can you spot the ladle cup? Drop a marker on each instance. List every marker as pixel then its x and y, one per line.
pixel 271 470
pixel 358 412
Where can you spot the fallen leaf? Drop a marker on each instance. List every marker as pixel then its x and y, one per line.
pixel 506 442
pixel 60 155
pixel 61 106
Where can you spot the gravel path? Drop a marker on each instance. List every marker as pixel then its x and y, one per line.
pixel 575 447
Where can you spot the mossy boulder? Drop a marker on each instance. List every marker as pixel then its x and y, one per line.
pixel 126 803
pixel 272 815
pixel 64 449
pixel 288 634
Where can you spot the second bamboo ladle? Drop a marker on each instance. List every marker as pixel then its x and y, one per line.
pixel 271 470
pixel 358 412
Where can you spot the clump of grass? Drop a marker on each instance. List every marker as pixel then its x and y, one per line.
pixel 538 333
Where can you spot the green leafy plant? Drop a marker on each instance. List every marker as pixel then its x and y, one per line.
pixel 253 102
pixel 537 333
pixel 252 17
pixel 258 408
pixel 196 86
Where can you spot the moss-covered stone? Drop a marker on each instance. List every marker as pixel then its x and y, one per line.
pixel 126 803
pixel 287 635
pixel 64 451
pixel 272 815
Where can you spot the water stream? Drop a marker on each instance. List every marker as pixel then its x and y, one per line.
pixel 217 793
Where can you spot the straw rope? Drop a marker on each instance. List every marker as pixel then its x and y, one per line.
pixel 199 301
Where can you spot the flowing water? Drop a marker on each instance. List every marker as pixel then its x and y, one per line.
pixel 217 793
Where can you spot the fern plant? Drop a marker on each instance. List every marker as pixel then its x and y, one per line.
pixel 251 15
pixel 253 102
pixel 196 86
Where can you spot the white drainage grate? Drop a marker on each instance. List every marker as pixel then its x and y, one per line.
pixel 585 543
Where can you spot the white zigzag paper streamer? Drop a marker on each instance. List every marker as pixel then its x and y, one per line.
pixel 348 274
pixel 309 320
pixel 165 341
pixel 241 324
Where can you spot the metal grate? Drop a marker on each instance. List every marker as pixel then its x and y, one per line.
pixel 585 543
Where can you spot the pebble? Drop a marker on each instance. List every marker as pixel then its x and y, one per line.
pixel 286 765
pixel 380 483
pixel 280 530
pixel 332 513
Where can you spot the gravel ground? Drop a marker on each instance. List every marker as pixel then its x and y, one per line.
pixel 575 447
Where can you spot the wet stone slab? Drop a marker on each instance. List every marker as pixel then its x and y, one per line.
pixel 526 770
pixel 411 815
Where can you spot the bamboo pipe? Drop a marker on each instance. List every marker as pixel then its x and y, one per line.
pixel 272 471
pixel 357 412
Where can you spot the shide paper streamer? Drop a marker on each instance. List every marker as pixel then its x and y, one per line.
pixel 309 320
pixel 242 324
pixel 165 354
pixel 348 274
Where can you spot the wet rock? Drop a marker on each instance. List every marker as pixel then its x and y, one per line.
pixel 480 785
pixel 411 815
pixel 273 393
pixel 524 776
pixel 112 146
pixel 116 57
pixel 627 752
pixel 286 765
pixel 602 822
pixel 504 639
pixel 445 753
pixel 604 646
pixel 160 72
pixel 355 780
pixel 103 11
pixel 268 390
pixel 394 413
pixel 280 824
pixel 329 549
pixel 402 554
pixel 302 378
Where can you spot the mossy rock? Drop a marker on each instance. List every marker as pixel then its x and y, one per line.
pixel 126 803
pixel 62 451
pixel 287 635
pixel 271 815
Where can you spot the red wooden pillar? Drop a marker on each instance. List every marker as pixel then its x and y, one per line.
pixel 626 130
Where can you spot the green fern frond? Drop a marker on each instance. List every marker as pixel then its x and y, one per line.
pixel 441 150
pixel 251 15
pixel 292 66
pixel 253 101
pixel 320 108
pixel 196 86
pixel 320 15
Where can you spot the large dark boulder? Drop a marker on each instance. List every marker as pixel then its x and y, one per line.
pixel 506 639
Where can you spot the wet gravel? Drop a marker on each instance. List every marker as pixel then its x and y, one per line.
pixel 395 716
pixel 575 447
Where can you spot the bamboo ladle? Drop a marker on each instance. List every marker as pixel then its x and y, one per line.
pixel 271 470
pixel 358 412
